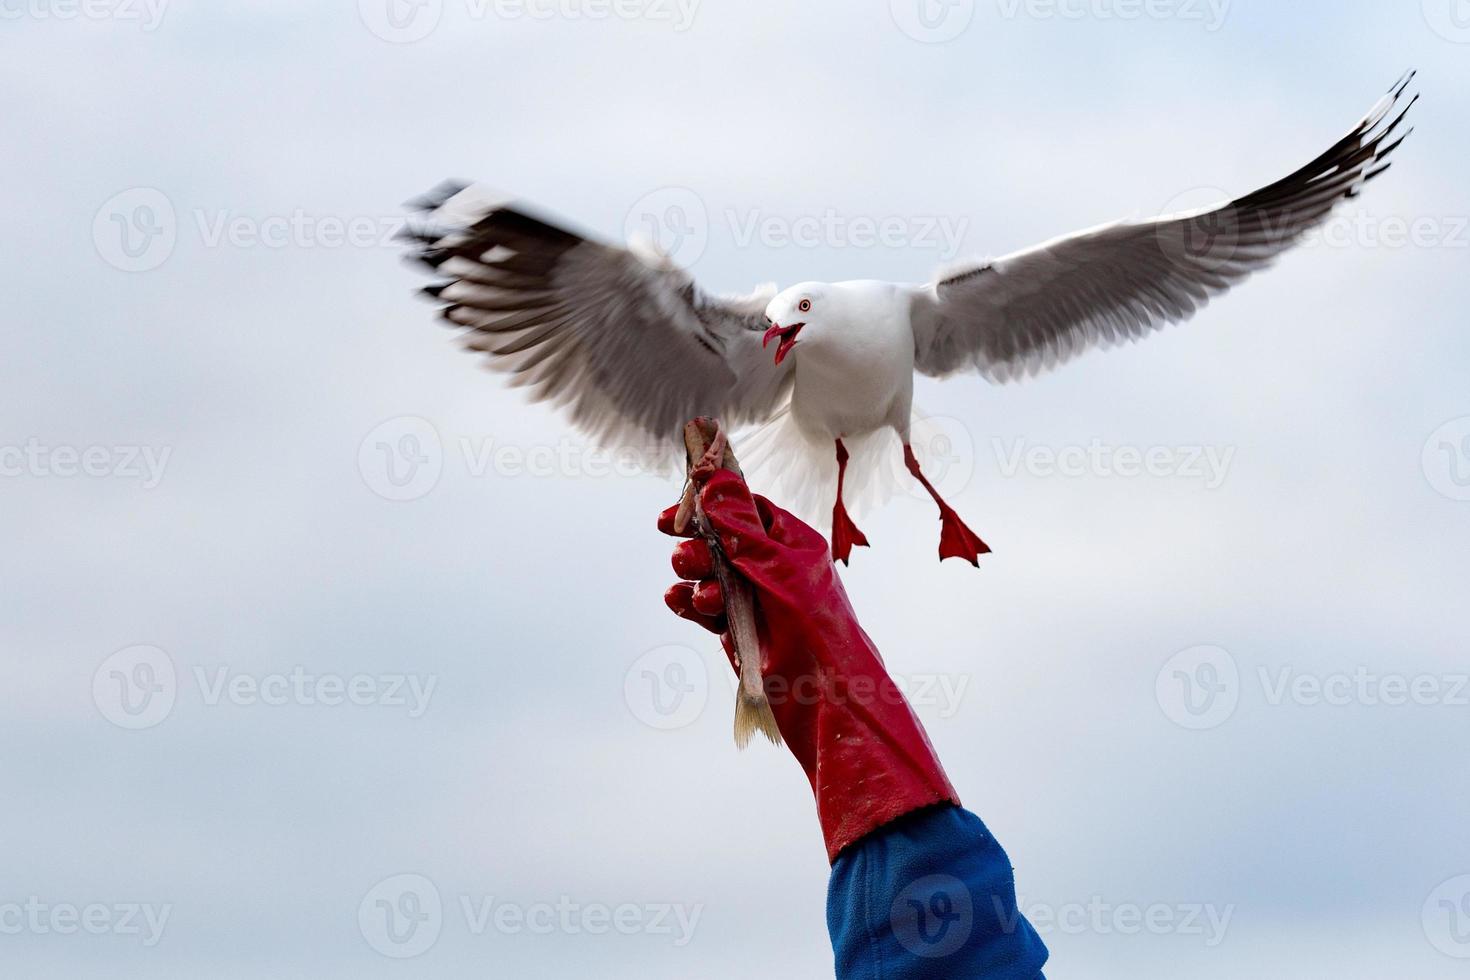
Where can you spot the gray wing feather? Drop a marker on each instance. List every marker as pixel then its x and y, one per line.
pixel 628 344
pixel 1026 313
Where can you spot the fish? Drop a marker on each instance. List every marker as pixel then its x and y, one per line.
pixel 706 449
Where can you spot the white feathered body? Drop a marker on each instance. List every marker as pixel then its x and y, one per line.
pixel 858 375
pixel 852 380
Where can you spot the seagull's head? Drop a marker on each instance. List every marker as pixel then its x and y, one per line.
pixel 797 311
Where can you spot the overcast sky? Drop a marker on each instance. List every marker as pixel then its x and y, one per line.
pixel 301 601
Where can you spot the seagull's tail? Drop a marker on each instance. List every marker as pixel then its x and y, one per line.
pixel 798 471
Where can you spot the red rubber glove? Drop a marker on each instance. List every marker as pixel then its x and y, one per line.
pixel 844 718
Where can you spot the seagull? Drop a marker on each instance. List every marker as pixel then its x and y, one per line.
pixel 632 348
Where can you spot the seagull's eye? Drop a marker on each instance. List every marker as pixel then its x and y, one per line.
pixel 805 306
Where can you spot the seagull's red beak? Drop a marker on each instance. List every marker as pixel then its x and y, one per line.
pixel 788 339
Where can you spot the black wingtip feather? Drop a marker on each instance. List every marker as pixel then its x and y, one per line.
pixel 1395 144
pixel 515 223
pixel 435 198
pixel 1370 175
pixel 414 236
pixel 430 260
pixel 1377 141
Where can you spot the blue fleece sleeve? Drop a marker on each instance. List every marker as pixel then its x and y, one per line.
pixel 929 897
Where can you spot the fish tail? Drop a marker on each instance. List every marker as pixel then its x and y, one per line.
pixel 752 714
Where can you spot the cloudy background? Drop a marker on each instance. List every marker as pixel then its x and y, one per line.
pixel 237 449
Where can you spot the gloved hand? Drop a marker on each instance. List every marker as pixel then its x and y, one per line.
pixel 846 721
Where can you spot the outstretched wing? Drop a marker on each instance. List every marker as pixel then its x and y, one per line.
pixel 1028 312
pixel 627 342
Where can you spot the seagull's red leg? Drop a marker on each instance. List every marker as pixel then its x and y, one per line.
pixel 845 533
pixel 955 539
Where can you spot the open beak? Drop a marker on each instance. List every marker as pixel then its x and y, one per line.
pixel 788 339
